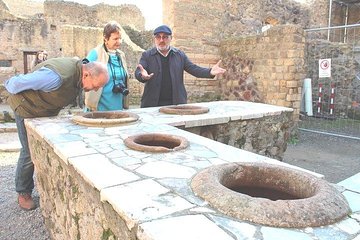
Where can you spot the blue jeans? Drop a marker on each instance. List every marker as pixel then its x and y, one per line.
pixel 24 182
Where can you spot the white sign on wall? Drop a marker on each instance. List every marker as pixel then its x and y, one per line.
pixel 324 68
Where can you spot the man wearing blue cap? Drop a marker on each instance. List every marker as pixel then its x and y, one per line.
pixel 162 70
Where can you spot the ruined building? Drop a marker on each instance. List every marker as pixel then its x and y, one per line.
pixel 262 43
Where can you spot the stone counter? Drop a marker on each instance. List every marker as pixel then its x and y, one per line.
pixel 255 127
pixel 92 186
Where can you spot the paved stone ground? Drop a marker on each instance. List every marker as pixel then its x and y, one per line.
pixel 336 158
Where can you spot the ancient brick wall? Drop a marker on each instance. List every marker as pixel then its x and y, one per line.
pixel 266 68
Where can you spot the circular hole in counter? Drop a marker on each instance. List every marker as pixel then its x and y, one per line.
pixel 105 118
pixel 184 110
pixel 156 142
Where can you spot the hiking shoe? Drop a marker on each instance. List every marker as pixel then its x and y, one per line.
pixel 26 202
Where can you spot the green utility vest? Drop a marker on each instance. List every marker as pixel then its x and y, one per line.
pixel 31 103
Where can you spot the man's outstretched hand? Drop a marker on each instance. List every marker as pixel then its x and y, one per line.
pixel 216 69
pixel 144 74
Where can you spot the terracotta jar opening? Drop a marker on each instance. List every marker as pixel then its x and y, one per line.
pixel 105 118
pixel 184 110
pixel 156 142
pixel 270 195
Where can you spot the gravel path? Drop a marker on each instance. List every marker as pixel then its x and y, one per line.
pixel 337 158
pixel 16 224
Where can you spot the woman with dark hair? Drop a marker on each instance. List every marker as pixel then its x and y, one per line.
pixel 40 57
pixel 113 95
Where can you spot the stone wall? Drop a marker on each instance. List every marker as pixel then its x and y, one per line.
pixel 199 28
pixel 24 8
pixel 267 136
pixel 343 74
pixel 319 12
pixel 195 27
pixel 75 42
pixel 63 12
pixel 56 34
pixel 3 6
pixel 339 19
pixel 36 33
pixel 265 68
pixel 18 35
pixel 73 184
pixel 253 73
pixel 70 204
pixel 249 16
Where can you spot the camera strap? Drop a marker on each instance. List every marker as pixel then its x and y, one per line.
pixel 113 70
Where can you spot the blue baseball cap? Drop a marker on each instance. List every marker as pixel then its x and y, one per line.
pixel 163 29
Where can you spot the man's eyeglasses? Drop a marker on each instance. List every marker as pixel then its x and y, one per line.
pixel 164 37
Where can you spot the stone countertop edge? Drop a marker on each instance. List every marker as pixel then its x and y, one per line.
pixel 78 158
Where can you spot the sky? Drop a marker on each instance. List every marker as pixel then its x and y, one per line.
pixel 151 9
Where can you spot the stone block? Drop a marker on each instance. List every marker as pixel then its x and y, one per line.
pixel 293 97
pixel 289 62
pixel 292 54
pixel 292 84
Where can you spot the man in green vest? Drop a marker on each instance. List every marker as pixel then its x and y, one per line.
pixel 52 85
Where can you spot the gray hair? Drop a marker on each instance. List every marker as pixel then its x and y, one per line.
pixel 96 68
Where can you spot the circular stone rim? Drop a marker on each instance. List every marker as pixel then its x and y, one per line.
pixel 326 206
pixel 184 109
pixel 130 143
pixel 103 122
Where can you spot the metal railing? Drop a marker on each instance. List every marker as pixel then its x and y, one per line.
pixel 335 99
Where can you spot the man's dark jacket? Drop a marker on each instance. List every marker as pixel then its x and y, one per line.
pixel 178 62
pixel 31 103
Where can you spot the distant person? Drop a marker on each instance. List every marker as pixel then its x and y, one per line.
pixel 162 70
pixel 113 95
pixel 52 85
pixel 40 57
